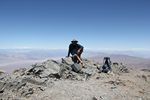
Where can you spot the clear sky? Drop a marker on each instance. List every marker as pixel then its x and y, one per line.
pixel 97 24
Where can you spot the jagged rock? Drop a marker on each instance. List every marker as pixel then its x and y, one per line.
pixel 27 92
pixel 145 78
pixel 67 61
pixel 89 70
pixel 19 86
pixel 117 82
pixel 145 70
pixel 36 81
pixel 76 67
pixel 20 72
pixel 36 69
pixel 90 63
pixel 45 69
pixel 2 85
pixel 52 66
pixel 120 69
pixel 2 72
pixel 63 68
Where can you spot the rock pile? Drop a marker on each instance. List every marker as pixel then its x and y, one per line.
pixel 26 82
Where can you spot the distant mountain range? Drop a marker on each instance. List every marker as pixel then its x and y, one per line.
pixel 16 58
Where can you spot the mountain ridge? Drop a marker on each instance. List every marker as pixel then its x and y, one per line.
pixel 56 80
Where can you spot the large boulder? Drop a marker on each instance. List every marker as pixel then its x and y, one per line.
pixel 76 67
pixel 45 69
pixel 67 61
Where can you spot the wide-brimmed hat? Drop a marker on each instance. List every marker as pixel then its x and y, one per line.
pixel 74 40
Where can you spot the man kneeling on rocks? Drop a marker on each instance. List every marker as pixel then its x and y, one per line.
pixel 76 50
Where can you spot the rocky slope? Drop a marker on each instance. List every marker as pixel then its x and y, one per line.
pixel 56 80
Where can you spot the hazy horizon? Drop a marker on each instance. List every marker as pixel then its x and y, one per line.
pixel 63 52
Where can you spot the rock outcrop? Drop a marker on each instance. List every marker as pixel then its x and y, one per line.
pixel 44 77
pixel 2 72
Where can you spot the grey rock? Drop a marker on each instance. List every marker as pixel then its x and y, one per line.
pixel 45 69
pixel 19 86
pixel 76 67
pixel 36 81
pixel 89 70
pixel 28 92
pixel 2 85
pixel 94 98
pixel 67 61
pixel 52 66
pixel 2 72
pixel 20 72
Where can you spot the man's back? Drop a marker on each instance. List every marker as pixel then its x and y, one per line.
pixel 75 46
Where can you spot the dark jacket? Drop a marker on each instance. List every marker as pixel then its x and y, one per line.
pixel 73 48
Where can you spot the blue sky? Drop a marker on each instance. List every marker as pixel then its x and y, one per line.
pixel 97 24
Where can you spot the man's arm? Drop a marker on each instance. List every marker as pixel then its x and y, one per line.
pixel 80 48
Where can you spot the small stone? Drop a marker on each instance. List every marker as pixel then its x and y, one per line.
pixel 94 98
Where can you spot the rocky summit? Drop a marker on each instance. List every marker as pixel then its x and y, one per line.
pixel 64 80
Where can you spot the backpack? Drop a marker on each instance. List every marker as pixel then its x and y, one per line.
pixel 106 68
